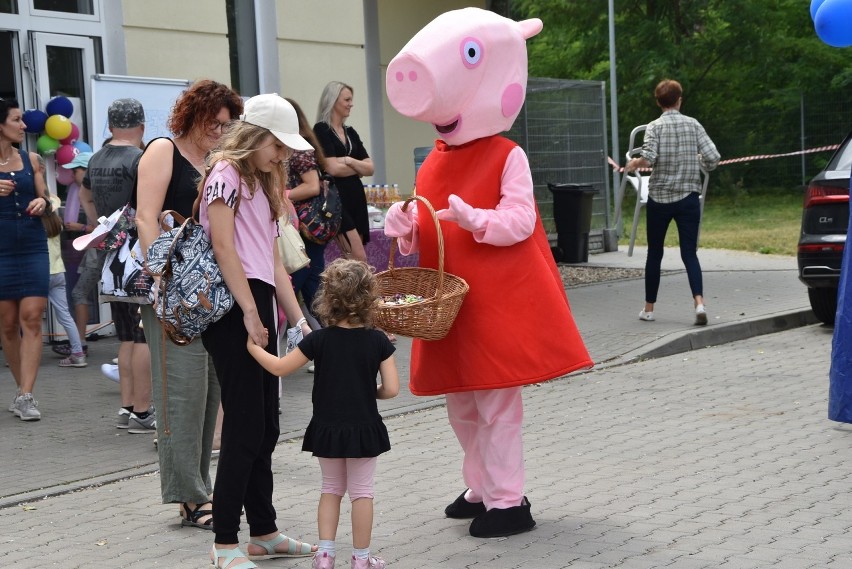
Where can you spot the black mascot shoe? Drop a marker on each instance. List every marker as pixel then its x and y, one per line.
pixel 461 509
pixel 500 522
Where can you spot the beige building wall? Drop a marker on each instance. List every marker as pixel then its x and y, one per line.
pixel 177 40
pixel 399 20
pixel 318 41
pixel 323 41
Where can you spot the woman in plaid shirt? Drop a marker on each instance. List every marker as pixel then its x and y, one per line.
pixel 677 148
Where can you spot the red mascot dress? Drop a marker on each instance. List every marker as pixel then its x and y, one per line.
pixel 514 328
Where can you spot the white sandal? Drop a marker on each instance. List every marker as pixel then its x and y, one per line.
pixel 228 555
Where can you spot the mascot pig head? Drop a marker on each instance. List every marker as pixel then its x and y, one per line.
pixel 465 73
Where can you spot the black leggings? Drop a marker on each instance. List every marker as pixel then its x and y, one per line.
pixel 686 214
pixel 250 427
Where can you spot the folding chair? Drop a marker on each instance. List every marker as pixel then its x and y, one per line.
pixel 639 184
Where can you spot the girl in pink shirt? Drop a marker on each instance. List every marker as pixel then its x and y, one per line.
pixel 241 200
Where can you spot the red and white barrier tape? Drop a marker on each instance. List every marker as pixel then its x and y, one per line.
pixel 615 165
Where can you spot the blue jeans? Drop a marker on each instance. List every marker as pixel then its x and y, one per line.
pixel 307 280
pixel 686 214
pixel 59 299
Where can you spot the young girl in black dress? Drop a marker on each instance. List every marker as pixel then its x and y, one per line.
pixel 346 431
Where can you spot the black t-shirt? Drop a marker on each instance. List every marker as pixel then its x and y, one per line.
pixel 346 421
pixel 351 188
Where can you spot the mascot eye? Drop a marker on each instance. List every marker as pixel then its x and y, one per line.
pixel 471 51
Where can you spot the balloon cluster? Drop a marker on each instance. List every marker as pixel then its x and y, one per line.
pixel 57 134
pixel 832 20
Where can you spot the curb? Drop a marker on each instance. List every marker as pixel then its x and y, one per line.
pixel 686 341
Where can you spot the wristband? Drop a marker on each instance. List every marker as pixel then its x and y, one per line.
pixel 303 320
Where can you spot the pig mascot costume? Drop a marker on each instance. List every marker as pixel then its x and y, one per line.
pixel 466 73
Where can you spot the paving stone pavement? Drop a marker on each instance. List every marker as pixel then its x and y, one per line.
pixel 721 457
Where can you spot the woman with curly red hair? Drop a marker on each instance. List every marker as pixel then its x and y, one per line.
pixel 169 172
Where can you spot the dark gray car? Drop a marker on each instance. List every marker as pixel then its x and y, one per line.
pixel 825 217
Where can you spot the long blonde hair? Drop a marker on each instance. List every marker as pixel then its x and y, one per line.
pixel 328 98
pixel 238 143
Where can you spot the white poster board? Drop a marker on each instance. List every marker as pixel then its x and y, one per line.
pixel 156 95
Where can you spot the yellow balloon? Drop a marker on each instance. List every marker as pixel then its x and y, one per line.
pixel 57 126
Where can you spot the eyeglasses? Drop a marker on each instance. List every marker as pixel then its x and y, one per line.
pixel 216 124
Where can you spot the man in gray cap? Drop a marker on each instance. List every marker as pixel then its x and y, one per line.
pixel 108 186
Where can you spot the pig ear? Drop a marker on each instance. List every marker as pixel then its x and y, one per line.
pixel 530 27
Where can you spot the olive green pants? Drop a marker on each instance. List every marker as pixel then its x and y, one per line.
pixel 187 409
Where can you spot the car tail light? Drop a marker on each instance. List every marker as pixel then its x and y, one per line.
pixel 825 194
pixel 821 248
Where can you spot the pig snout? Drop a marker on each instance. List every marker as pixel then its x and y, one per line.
pixel 410 86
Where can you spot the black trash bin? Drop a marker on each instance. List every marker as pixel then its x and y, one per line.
pixel 572 212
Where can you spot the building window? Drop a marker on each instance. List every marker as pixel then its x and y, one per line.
pixel 8 7
pixel 67 6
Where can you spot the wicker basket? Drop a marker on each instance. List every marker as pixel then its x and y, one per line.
pixel 443 293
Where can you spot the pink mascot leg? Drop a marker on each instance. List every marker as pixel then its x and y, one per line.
pixel 488 426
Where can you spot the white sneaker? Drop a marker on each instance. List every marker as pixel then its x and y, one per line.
pixel 646 316
pixel 27 408
pixel 110 371
pixel 700 315
pixel 14 401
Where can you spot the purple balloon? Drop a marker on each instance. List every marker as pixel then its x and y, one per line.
pixel 832 22
pixel 815 4
pixel 60 106
pixel 34 119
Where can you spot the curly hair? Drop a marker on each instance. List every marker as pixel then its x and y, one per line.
pixel 239 141
pixel 348 293
pixel 200 103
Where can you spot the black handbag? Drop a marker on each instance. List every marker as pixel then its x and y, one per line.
pixel 320 216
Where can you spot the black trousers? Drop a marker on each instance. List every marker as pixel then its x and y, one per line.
pixel 250 427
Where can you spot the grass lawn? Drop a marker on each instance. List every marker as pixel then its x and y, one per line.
pixel 762 222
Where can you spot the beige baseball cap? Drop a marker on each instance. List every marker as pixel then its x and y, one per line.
pixel 276 115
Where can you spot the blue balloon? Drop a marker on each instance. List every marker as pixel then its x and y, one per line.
pixel 81 146
pixel 34 119
pixel 815 4
pixel 60 106
pixel 832 22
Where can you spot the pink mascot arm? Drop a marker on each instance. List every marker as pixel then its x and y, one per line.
pixel 403 226
pixel 513 220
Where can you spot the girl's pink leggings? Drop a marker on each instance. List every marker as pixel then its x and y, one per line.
pixel 353 475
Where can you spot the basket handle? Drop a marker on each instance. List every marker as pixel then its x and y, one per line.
pixel 439 292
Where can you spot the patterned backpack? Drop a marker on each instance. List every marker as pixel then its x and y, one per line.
pixel 192 291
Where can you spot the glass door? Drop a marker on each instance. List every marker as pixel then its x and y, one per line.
pixel 64 66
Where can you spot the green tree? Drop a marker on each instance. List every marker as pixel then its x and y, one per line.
pixel 744 64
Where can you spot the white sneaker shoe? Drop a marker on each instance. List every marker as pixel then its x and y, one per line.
pixel 27 408
pixel 646 316
pixel 700 315
pixel 110 371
